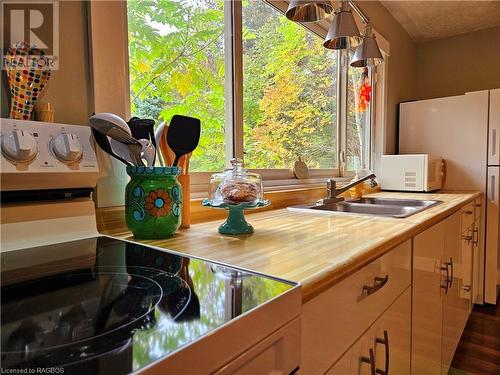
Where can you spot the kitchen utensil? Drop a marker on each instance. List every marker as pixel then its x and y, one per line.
pixel 158 136
pixel 183 135
pixel 112 125
pixel 167 152
pixel 117 147
pixel 143 129
pixel 148 152
pixel 26 83
pixel 103 142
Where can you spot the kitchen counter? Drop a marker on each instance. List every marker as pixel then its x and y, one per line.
pixel 317 249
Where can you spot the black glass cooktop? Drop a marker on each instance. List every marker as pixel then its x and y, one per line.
pixel 103 305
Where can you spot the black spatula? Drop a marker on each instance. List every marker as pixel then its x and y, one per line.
pixel 183 135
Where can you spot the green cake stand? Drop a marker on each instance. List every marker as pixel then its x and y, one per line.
pixel 235 223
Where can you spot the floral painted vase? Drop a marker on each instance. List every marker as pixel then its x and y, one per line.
pixel 153 202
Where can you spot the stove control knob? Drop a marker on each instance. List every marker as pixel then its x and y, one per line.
pixel 19 146
pixel 67 148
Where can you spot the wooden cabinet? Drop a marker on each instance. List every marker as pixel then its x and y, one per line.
pixel 385 346
pixel 477 242
pixel 442 285
pixel 334 320
pixel 428 285
pixel 457 296
pixel 404 312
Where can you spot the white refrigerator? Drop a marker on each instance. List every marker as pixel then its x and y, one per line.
pixel 465 131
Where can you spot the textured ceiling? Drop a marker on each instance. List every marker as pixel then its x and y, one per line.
pixel 429 20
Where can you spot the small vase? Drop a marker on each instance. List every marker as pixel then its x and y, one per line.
pixel 153 202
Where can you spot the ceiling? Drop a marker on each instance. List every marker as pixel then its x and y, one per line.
pixel 430 20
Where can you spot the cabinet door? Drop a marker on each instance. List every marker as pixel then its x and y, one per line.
pixel 358 360
pixel 476 251
pixel 390 336
pixel 494 128
pixel 428 284
pixel 492 249
pixel 458 270
pixel 385 347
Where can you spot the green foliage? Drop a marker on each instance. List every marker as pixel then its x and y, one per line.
pixel 177 66
pixel 176 53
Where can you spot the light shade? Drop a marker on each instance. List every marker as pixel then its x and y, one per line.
pixel 343 32
pixel 308 11
pixel 367 53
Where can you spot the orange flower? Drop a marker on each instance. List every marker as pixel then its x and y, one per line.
pixel 158 203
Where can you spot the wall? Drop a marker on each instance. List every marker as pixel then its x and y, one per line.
pixel 401 65
pixel 69 87
pixel 455 65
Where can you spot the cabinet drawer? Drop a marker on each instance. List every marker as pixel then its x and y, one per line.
pixel 278 354
pixel 332 321
pixel 467 216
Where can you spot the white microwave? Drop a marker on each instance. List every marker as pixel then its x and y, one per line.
pixel 420 172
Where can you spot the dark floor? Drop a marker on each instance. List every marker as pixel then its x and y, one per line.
pixel 479 349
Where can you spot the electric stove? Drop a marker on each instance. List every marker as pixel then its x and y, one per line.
pixel 103 305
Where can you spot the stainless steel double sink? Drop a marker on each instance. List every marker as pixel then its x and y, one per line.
pixel 388 207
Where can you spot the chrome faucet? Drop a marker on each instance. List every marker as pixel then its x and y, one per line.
pixel 333 191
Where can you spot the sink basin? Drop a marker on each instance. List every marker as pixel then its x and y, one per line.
pixel 399 208
pixel 396 202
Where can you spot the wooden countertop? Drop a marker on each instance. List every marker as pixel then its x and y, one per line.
pixel 317 249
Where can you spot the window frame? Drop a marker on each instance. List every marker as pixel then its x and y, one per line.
pixel 234 93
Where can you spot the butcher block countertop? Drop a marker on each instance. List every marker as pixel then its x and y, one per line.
pixel 317 249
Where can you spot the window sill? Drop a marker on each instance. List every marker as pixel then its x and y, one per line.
pixel 200 190
pixel 112 219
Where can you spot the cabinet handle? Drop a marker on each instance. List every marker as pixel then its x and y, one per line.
pixel 450 263
pixel 377 284
pixel 475 236
pixel 371 361
pixel 466 288
pixel 468 238
pixel 468 212
pixel 385 342
pixel 447 279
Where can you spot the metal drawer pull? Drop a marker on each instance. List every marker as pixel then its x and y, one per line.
pixel 377 284
pixel 447 279
pixel 371 361
pixel 385 342
pixel 475 236
pixel 466 288
pixel 467 238
pixel 450 263
pixel 468 212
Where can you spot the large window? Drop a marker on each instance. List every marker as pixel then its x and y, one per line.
pixel 264 87
pixel 289 92
pixel 176 54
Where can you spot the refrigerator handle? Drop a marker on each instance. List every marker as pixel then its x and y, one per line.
pixel 493 143
pixel 493 190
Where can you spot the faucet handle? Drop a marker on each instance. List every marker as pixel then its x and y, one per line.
pixel 331 184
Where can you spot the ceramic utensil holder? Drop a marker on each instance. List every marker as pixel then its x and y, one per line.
pixel 153 202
